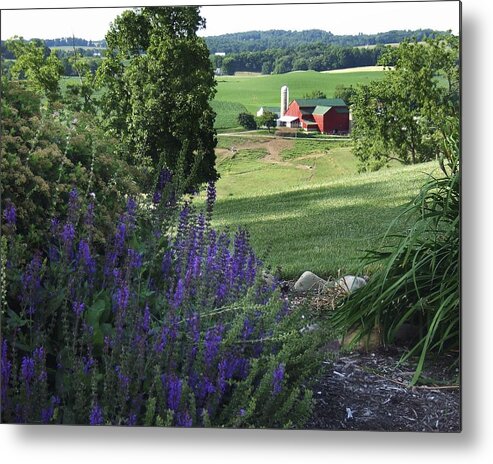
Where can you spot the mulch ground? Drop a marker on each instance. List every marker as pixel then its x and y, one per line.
pixel 370 390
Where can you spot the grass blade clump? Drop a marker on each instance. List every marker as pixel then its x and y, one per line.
pixel 418 281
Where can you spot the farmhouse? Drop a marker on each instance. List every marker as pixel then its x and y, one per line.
pixel 271 109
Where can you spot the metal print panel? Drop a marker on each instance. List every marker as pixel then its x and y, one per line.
pixel 240 216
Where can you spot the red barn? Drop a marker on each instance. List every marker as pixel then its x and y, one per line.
pixel 329 116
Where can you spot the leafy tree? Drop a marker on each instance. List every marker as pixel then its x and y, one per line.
pixel 268 119
pixel 402 117
pixel 159 82
pixel 37 65
pixel 315 94
pixel 247 121
pixel 345 93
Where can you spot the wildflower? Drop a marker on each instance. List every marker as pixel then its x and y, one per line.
pixel 242 412
pixel 96 415
pixel 6 369
pixel 134 258
pixel 84 257
pixel 178 296
pixel 31 284
pixel 27 369
pixel 89 216
pixel 174 393
pixel 78 308
pixel 212 341
pixel 47 413
pixel 68 235
pixel 88 363
pixel 73 205
pixel 166 264
pixel 10 214
pixel 278 377
pixel 184 419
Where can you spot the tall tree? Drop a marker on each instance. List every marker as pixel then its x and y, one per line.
pixel 41 69
pixel 406 115
pixel 159 82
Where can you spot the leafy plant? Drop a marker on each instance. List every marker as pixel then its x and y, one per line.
pixel 173 325
pixel 419 276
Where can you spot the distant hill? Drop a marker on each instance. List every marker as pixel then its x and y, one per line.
pixel 255 41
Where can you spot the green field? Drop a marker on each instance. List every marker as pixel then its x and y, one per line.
pixel 256 91
pixel 227 113
pixel 319 219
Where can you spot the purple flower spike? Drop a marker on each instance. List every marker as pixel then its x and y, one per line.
pixel 78 308
pixel 96 415
pixel 174 393
pixel 10 214
pixel 277 379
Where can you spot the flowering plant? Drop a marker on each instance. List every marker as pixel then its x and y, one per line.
pixel 174 324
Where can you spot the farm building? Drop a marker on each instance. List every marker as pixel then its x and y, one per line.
pixel 328 116
pixel 272 109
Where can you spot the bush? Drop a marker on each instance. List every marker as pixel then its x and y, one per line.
pixel 46 153
pixel 247 121
pixel 419 278
pixel 172 325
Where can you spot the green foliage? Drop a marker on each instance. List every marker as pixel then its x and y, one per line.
pixel 159 82
pixel 402 117
pixel 346 93
pixel 41 68
pixel 268 119
pixel 247 120
pixel 46 153
pixel 315 94
pixel 419 278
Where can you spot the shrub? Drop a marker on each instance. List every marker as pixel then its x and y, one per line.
pixel 47 152
pixel 247 121
pixel 172 325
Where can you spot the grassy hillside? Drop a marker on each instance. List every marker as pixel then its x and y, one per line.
pixel 227 113
pixel 318 217
pixel 256 91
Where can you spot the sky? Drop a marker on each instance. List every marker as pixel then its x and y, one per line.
pixel 347 18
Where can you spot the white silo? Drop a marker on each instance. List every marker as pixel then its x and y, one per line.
pixel 284 99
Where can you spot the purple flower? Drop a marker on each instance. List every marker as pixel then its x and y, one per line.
pixel 89 216
pixel 167 261
pixel 174 393
pixel 6 369
pixel 247 329
pixel 96 415
pixel 212 341
pixel 68 235
pixel 178 296
pixel 134 258
pixel 88 363
pixel 122 297
pixel 277 379
pixel 31 284
pixel 84 257
pixel 184 419
pixel 47 413
pixel 242 412
pixel 27 369
pixel 10 214
pixel 78 308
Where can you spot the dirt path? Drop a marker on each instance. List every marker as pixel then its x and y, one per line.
pixel 274 148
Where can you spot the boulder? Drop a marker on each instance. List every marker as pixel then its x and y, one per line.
pixel 350 283
pixel 309 282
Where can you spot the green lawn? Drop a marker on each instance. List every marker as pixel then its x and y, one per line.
pixel 319 219
pixel 257 91
pixel 227 113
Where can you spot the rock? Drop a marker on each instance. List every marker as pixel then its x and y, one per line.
pixel 350 283
pixel 369 342
pixel 309 281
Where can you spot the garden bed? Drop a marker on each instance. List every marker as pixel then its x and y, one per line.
pixel 368 391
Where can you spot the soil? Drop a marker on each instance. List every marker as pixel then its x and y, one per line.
pixel 370 390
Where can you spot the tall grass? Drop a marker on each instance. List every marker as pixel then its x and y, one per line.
pixel 419 279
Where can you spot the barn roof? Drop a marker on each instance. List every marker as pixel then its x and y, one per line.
pixel 321 109
pixel 320 102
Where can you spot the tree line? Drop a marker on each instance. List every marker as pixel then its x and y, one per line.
pixel 255 41
pixel 315 57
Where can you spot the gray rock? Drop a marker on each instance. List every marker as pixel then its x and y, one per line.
pixel 350 283
pixel 309 282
